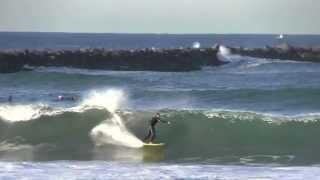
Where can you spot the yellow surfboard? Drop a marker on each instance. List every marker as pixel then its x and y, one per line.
pixel 153 144
pixel 153 151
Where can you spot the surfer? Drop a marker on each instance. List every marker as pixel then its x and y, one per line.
pixel 10 99
pixel 152 131
pixel 64 98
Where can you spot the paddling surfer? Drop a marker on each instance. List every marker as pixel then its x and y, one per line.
pixel 152 131
pixel 64 98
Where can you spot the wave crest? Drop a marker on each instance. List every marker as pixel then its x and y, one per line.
pixel 216 134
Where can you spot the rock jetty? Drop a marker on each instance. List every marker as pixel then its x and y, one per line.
pixel 170 60
pixel 282 52
pixel 106 59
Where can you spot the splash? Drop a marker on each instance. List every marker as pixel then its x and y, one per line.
pixel 224 51
pixel 111 131
pixel 108 99
pixel 196 45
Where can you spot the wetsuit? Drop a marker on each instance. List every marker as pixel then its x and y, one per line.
pixel 152 130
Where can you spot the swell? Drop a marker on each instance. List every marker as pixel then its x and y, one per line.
pixel 227 133
pixel 65 128
pixel 50 136
pixel 283 100
pixel 192 134
pixel 199 95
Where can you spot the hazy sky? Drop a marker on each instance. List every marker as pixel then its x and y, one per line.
pixel 161 16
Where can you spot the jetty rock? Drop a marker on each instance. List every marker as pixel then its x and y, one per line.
pixel 171 60
pixel 281 52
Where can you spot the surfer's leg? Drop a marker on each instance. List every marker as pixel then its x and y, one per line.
pixel 148 135
pixel 153 133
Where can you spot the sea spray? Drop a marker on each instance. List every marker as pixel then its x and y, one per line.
pixel 111 131
pixel 223 53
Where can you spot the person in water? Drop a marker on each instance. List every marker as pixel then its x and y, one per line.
pixel 10 98
pixel 152 131
pixel 63 98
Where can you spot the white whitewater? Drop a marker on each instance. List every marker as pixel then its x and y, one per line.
pixel 111 131
pixel 14 113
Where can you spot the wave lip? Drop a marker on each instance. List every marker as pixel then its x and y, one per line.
pixel 14 113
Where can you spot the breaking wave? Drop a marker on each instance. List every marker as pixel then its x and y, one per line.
pixel 99 126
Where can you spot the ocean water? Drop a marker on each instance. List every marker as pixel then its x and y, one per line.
pixel 249 119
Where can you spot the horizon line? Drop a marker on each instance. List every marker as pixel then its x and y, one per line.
pixel 156 33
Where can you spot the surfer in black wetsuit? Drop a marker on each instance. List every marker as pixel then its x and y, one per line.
pixel 152 131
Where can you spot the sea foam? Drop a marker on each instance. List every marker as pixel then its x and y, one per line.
pixel 111 131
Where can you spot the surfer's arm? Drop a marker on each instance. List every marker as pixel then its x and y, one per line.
pixel 163 121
